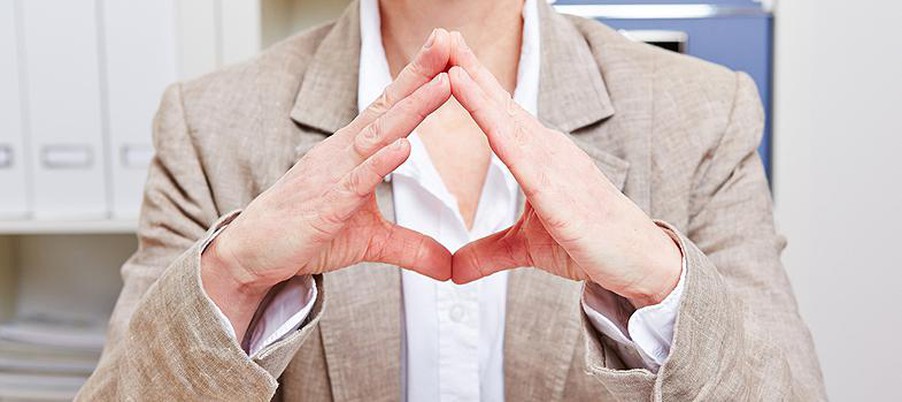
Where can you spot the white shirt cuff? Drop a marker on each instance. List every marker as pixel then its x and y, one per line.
pixel 647 335
pixel 285 312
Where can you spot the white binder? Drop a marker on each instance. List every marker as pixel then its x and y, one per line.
pixel 200 43
pixel 213 33
pixel 140 51
pixel 64 108
pixel 241 30
pixel 13 198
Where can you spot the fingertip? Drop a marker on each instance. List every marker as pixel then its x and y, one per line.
pixel 441 37
pixel 458 73
pixel 444 276
pixel 444 49
pixel 440 79
pixel 436 52
pixel 456 40
pixel 438 35
pixel 402 144
pixel 461 279
pixel 463 52
pixel 461 271
pixel 460 81
pixel 439 89
pixel 445 83
pixel 392 156
pixel 439 262
pixel 430 40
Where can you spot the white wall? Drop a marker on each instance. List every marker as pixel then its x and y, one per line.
pixel 838 169
pixel 281 18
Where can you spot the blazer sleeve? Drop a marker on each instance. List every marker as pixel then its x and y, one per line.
pixel 738 333
pixel 165 341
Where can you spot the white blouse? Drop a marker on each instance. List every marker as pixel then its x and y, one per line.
pixel 453 338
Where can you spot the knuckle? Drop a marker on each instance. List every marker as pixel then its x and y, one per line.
pixel 371 166
pixel 363 179
pixel 416 69
pixel 381 105
pixel 377 130
pixel 350 184
pixel 370 138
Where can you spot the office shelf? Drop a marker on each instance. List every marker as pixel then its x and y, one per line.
pixel 56 227
pixel 66 269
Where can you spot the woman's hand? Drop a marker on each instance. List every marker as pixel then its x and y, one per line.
pixel 322 214
pixel 576 224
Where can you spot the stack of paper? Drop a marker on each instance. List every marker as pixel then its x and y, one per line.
pixel 44 359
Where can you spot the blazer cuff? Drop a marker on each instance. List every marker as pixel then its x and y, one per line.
pixel 708 336
pixel 644 336
pixel 175 330
pixel 708 325
pixel 284 310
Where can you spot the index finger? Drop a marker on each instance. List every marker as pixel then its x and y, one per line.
pixel 463 56
pixel 512 133
pixel 431 60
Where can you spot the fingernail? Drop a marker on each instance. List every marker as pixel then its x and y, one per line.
pixel 461 73
pixel 439 78
pixel 431 40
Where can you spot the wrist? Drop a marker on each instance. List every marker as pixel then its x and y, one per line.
pixel 237 298
pixel 665 266
pixel 220 268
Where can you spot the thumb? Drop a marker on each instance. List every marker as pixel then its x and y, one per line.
pixel 488 255
pixel 410 250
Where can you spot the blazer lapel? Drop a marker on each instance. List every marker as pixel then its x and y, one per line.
pixel 542 327
pixel 361 328
pixel 580 88
pixel 327 98
pixel 574 98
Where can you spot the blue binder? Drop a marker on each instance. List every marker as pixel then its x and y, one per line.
pixel 735 33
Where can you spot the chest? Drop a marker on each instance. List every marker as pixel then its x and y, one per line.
pixel 460 154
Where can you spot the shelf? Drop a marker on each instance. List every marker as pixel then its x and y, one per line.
pixel 44 227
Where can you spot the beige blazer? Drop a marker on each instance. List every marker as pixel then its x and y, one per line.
pixel 676 134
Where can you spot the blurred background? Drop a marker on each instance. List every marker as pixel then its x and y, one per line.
pixel 81 79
